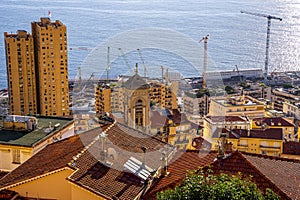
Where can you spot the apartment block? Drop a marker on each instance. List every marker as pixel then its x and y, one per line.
pixel 51 58
pixel 21 74
pixel 37 70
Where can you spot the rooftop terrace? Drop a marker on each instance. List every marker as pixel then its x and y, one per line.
pixel 30 138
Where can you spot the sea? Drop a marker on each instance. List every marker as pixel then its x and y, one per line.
pixel 113 35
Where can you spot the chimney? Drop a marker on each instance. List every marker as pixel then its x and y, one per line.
pixel 164 165
pixel 221 150
pixel 103 152
pixel 144 156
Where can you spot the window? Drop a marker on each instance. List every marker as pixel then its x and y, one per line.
pixel 16 156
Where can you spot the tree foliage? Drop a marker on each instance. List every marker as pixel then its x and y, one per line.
pixel 229 89
pixel 200 185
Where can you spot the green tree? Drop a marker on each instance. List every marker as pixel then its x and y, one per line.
pixel 229 89
pixel 202 92
pixel 199 185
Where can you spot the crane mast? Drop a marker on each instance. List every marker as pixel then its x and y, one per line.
pixel 204 39
pixel 269 17
pixel 145 69
pixel 108 64
pixel 124 58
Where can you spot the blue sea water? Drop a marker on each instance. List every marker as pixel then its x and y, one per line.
pixel 235 38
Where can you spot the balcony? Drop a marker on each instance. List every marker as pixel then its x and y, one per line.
pixel 263 147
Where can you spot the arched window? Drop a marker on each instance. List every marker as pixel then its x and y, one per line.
pixel 139 113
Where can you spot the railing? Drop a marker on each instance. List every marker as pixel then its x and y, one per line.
pixel 269 147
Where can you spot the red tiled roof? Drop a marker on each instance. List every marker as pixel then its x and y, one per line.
pixel 183 161
pixel 226 118
pixel 157 120
pixel 291 147
pixel 178 118
pixel 271 133
pixel 91 174
pixel 114 181
pixel 53 157
pixel 200 143
pixel 276 121
pixel 279 174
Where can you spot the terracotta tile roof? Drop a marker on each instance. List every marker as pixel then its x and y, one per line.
pixel 2 174
pixel 276 121
pixel 53 157
pixel 226 118
pixel 136 82
pixel 83 152
pixel 183 161
pixel 157 120
pixel 271 133
pixel 114 181
pixel 291 147
pixel 279 174
pixel 200 143
pixel 178 118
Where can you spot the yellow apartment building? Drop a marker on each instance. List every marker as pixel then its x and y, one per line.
pixel 37 70
pixel 163 95
pixel 51 53
pixel 211 124
pixel 287 127
pixel 236 106
pixel 259 141
pixel 103 95
pixel 23 136
pixel 280 95
pixel 173 127
pixel 21 74
pixel 110 98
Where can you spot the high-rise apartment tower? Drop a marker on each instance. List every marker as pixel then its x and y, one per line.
pixel 37 68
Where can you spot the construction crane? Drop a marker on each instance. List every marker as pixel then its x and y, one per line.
pixel 80 48
pixel 124 58
pixel 204 39
pixel 162 73
pixel 145 69
pixel 79 77
pixel 269 17
pixel 108 64
pixel 238 71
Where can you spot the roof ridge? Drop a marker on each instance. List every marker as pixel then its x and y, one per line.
pixel 262 174
pixel 152 136
pixel 271 157
pixel 96 138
